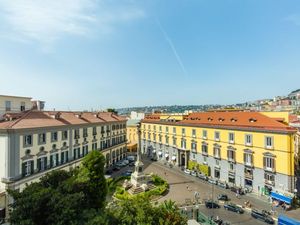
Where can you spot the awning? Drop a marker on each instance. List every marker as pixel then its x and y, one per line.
pixel 166 155
pixel 281 197
pixel 159 153
pixel 173 157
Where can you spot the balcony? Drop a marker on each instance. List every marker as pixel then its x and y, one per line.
pixel 217 156
pixel 77 136
pixel 204 153
pixel 269 169
pixel 248 176
pixel 269 182
pixel 231 160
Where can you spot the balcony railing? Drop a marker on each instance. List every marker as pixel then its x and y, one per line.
pixel 269 169
pixel 270 182
pixel 248 176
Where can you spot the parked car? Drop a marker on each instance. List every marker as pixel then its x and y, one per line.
pixel 202 176
pixel 211 204
pixel 127 173
pixel 234 208
pixel 131 164
pixel 194 173
pixel 237 190
pixel 187 171
pixel 108 172
pixel 130 158
pixel 116 168
pixel 223 197
pixel 222 185
pixel 212 181
pixel 262 216
pixel 120 164
pixel 153 159
pixel 125 161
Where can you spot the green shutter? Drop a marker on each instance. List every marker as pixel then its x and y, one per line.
pixel 45 163
pixel 57 162
pixel 23 169
pixel 62 157
pixel 51 161
pixel 32 167
pixel 74 153
pixel 39 164
pixel 67 156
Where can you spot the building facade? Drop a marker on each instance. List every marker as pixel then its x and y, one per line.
pixel 14 104
pixel 132 135
pixel 36 142
pixel 246 149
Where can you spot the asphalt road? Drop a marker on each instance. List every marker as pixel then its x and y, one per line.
pixel 183 187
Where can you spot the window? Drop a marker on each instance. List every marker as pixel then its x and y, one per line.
pixel 174 130
pixel 7 105
pixel 42 138
pixel 194 133
pixel 28 140
pixel 94 130
pixel 231 137
pixel 183 143
pixel 269 142
pixel 54 136
pixel 217 152
pixel 54 160
pixel 154 128
pixel 204 149
pixel 217 162
pixel 248 159
pixel 27 168
pixel 22 107
pixel 160 128
pixel 231 155
pixel 159 136
pixel 183 131
pixel 269 179
pixel 231 166
pixel 167 140
pixel 42 163
pixel 217 136
pixel 85 150
pixel 154 137
pixel 269 164
pixel 174 141
pixel 194 146
pixel 76 135
pixel 204 134
pixel 204 159
pixel 248 139
pixel 85 132
pixel 64 135
pixel 149 136
pixel 64 157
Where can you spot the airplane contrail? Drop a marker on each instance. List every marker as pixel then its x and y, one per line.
pixel 168 39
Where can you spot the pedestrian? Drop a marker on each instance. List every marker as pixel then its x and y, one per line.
pixel 187 187
pixel 165 173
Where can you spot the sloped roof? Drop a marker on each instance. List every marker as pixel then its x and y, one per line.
pixel 254 120
pixel 36 119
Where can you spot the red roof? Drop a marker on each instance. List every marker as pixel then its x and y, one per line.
pixel 254 120
pixel 36 119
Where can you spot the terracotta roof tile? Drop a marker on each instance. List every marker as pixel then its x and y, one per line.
pixel 230 119
pixel 35 119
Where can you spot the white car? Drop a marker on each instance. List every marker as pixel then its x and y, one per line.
pixel 125 161
pixel 194 173
pixel 187 171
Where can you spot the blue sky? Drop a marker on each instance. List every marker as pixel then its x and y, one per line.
pixel 94 54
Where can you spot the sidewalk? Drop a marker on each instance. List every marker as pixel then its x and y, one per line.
pixel 257 201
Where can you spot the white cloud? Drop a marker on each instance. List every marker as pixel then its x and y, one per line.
pixel 48 20
pixel 294 18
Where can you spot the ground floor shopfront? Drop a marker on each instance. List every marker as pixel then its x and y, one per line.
pixel 231 173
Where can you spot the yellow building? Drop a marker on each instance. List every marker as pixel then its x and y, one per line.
pixel 132 136
pixel 246 149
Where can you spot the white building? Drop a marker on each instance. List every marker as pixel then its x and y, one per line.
pixel 137 116
pixel 14 104
pixel 34 142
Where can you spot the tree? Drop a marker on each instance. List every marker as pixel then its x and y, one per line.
pixel 140 211
pixel 112 110
pixel 64 198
